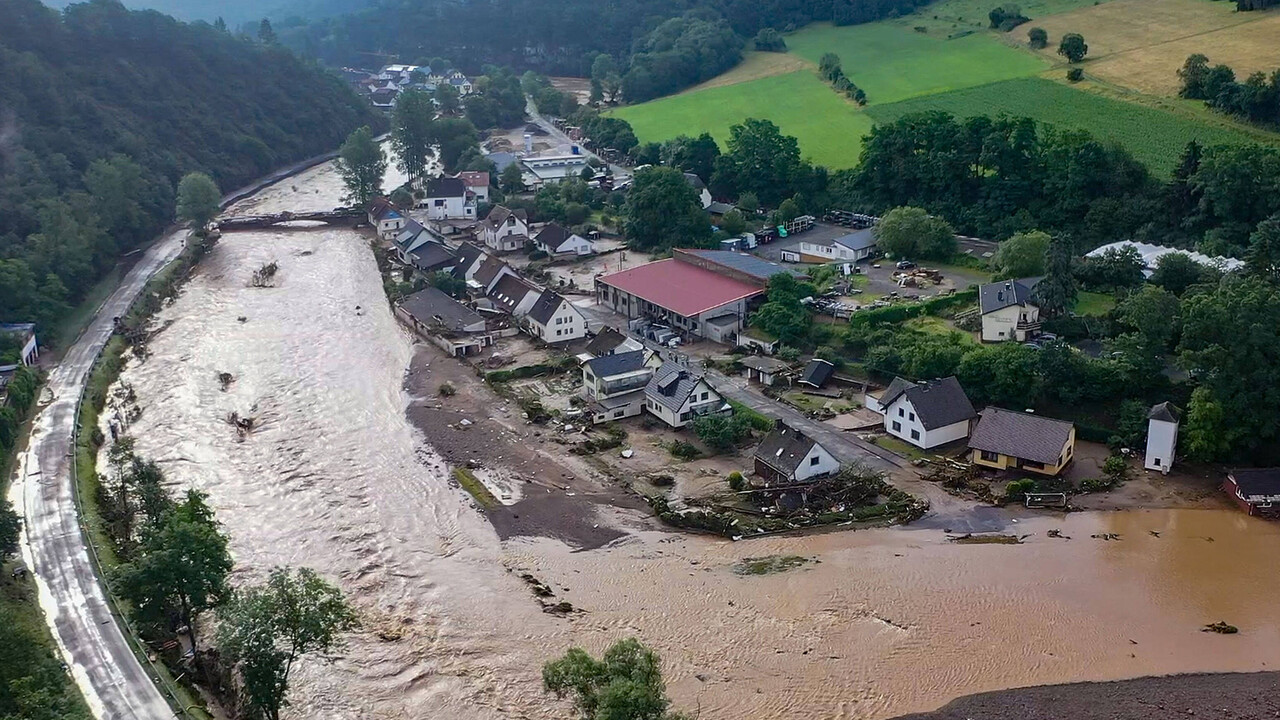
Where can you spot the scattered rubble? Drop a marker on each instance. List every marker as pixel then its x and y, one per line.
pixel 1221 628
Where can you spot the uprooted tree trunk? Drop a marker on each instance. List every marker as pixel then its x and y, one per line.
pixel 263 276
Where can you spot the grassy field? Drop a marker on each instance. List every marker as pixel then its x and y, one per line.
pixel 954 17
pixel 829 128
pixel 1140 44
pixel 1092 303
pixel 756 66
pixel 892 63
pixel 1155 137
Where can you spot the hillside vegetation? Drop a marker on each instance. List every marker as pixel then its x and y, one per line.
pixel 102 110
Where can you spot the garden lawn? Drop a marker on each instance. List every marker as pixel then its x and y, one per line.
pixel 829 128
pixel 1155 137
pixel 1092 303
pixel 893 63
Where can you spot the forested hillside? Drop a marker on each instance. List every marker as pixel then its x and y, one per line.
pixel 563 37
pixel 101 112
pixel 238 12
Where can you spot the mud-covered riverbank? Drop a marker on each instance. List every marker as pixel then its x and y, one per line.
pixel 348 470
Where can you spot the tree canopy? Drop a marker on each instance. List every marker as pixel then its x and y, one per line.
pixel 910 232
pixel 362 165
pixel 624 684
pixel 663 211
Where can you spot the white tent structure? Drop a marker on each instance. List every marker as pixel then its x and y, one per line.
pixel 1151 254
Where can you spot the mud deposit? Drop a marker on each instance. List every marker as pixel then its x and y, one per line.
pixel 335 476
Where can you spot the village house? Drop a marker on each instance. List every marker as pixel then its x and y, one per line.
pixel 456 328
pixel 925 414
pixel 1008 440
pixel 486 277
pixel 445 198
pixel 1008 312
pixel 513 295
pixel 558 242
pixel 677 395
pixel 505 231
pixel 766 370
pixel 555 320
pixel 607 342
pixel 614 385
pixel 477 184
pixel 1162 437
pixel 386 220
pixel 432 257
pixel 23 336
pixel 409 238
pixel 1255 490
pixel 470 258
pixel 384 98
pixel 787 456
pixel 704 195
pixel 856 246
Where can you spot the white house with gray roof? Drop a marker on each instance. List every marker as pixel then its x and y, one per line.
pixel 787 456
pixel 926 414
pixel 1008 310
pixel 857 245
pixel 677 395
pixel 554 319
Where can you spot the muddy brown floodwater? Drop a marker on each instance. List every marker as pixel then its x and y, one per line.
pixel 886 622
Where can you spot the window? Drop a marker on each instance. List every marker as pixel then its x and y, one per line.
pixel 557 333
pixel 901 412
pixel 439 203
pixel 685 416
pixel 912 418
pixel 1155 461
pixel 897 426
pixel 619 413
pixel 813 461
pixel 989 456
pixel 915 434
pixel 704 397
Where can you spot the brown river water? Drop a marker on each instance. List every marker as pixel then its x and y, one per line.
pixel 885 622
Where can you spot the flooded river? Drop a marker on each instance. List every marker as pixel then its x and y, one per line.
pixel 884 622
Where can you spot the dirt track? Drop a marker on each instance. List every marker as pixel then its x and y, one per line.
pixel 1242 696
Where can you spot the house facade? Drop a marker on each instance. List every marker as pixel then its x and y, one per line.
pixel 787 456
pixel 449 324
pixel 446 199
pixel 614 385
pixel 1008 440
pixel 1008 312
pixel 477 183
pixel 926 414
pixel 513 295
pixel 557 241
pixel 386 220
pixel 853 247
pixel 555 320
pixel 505 231
pixel 677 395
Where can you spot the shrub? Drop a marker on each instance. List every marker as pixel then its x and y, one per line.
pixel 538 255
pixel 447 389
pixel 1018 489
pixel 1075 75
pixel 1038 38
pixel 1116 469
pixel 736 481
pixel 682 450
pixel 1095 485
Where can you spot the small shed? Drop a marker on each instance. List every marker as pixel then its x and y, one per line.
pixel 764 370
pixel 817 373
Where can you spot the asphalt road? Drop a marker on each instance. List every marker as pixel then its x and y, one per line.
pixel 112 679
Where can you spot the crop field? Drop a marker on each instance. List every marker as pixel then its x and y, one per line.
pixel 755 66
pixel 830 129
pixel 892 63
pixel 1155 137
pixel 1140 44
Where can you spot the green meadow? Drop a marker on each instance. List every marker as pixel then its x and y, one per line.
pixel 830 128
pixel 1155 137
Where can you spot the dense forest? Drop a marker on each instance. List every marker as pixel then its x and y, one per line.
pixel 102 110
pixel 660 45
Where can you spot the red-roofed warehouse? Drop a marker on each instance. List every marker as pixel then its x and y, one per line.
pixel 687 297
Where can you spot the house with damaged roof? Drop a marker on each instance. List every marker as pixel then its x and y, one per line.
pixel 925 414
pixel 788 456
pixel 677 395
pixel 1008 440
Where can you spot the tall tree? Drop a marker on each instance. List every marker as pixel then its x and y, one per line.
pixel 448 99
pixel 1263 257
pixel 454 136
pixel 624 684
pixel 1176 272
pixel 910 232
pixel 664 211
pixel 265 33
pixel 362 165
pixel 198 199
pixel 760 160
pixel 266 628
pixel 10 530
pixel 413 132
pixel 1056 293
pixel 1022 255
pixel 512 179
pixel 1073 47
pixel 1153 312
pixel 182 568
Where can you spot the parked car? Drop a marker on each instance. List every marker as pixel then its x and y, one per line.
pixel 905 265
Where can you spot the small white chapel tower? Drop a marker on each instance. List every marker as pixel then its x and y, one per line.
pixel 1162 437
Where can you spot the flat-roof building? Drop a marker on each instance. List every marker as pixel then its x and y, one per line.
pixel 692 299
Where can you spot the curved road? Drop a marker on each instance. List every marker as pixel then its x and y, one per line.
pixel 112 679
